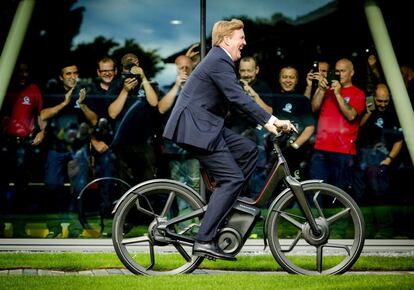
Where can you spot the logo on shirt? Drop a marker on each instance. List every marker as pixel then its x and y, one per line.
pixel 77 104
pixel 346 99
pixel 380 123
pixel 141 93
pixel 288 108
pixel 26 100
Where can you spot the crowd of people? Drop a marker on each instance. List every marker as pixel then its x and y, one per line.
pixel 71 134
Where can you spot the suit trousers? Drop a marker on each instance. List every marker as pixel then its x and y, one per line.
pixel 231 164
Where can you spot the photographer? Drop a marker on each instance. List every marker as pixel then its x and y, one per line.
pixel 134 113
pixel 133 84
pixel 319 70
pixel 340 105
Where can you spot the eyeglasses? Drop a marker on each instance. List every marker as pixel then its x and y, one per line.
pixel 106 70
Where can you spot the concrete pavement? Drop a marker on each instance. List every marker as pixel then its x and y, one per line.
pixel 374 247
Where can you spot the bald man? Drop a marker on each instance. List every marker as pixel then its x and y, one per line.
pixel 340 105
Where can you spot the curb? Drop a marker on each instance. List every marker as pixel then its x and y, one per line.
pixel 119 272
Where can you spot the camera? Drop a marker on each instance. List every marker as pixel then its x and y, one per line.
pixel 128 75
pixel 332 75
pixel 370 103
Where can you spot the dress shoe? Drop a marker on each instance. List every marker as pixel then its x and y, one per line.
pixel 210 250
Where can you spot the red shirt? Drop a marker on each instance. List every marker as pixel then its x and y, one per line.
pixel 335 133
pixel 25 106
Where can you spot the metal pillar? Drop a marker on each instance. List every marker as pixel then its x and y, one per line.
pixel 13 44
pixel 392 72
pixel 202 28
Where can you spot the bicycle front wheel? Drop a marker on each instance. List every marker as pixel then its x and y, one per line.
pixel 339 219
pixel 138 229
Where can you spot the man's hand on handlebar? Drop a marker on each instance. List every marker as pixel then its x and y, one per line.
pixel 280 126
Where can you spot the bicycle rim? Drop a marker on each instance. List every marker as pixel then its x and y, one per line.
pixel 336 214
pixel 139 244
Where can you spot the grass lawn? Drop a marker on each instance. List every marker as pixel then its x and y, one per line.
pixel 267 279
pixel 205 282
pixel 88 261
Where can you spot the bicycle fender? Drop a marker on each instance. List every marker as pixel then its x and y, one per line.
pixel 136 189
pixel 310 181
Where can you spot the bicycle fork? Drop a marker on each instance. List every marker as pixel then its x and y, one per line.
pixel 296 187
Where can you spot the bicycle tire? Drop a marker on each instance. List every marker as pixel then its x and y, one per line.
pixel 92 207
pixel 136 239
pixel 338 216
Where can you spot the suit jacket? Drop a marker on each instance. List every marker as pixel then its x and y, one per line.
pixel 197 118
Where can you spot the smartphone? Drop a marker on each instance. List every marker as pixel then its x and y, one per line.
pixel 332 75
pixel 370 103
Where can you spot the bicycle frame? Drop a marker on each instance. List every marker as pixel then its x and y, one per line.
pixel 280 172
pixel 172 211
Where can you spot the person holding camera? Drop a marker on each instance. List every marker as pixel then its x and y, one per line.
pixel 134 114
pixel 132 85
pixel 340 105
pixel 320 69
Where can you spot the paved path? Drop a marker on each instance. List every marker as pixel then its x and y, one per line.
pixel 252 247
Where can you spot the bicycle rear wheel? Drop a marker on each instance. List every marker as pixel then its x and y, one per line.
pixel 138 231
pixel 337 216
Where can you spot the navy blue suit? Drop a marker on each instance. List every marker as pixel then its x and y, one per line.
pixel 197 124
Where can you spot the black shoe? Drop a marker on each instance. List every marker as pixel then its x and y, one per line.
pixel 210 250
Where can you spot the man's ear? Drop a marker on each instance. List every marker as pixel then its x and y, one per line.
pixel 226 40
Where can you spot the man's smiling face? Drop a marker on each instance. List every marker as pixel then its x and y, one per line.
pixel 235 43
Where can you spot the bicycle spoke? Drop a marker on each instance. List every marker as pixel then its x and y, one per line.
pixel 168 204
pixel 291 220
pixel 318 207
pixel 150 213
pixel 338 215
pixel 295 241
pixel 136 240
pixel 152 257
pixel 333 245
pixel 183 252
pixel 319 258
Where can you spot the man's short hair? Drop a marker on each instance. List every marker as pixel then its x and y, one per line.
pixel 224 28
pixel 127 60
